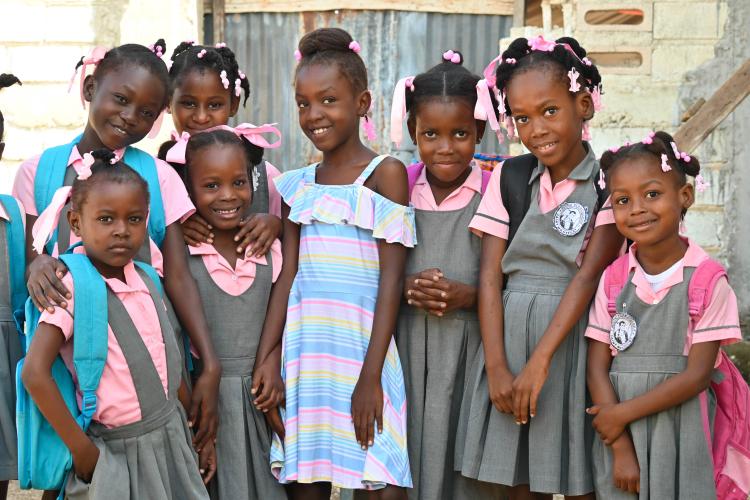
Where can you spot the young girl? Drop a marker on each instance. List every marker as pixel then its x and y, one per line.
pixel 235 291
pixel 206 87
pixel 648 373
pixel 127 92
pixel 438 331
pixel 11 299
pixel 346 227
pixel 138 444
pixel 531 433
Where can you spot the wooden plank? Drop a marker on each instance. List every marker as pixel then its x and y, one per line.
pixel 218 8
pixel 488 7
pixel 712 113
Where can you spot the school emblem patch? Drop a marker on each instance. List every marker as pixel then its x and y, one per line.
pixel 570 218
pixel 623 331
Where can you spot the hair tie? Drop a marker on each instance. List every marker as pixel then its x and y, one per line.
pixel 297 55
pixel 96 55
pixel 201 54
pixel 665 163
pixel 237 87
pixel 224 79
pixel 700 183
pixel 451 56
pixel 220 45
pixel 484 110
pixel 355 47
pixel 398 109
pixel 368 127
pixel 511 60
pixel 489 71
pixel 156 49
pixel 241 74
pixel 573 77
pixel 649 139
pixel 602 182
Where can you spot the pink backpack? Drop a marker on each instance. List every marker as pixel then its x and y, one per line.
pixel 415 169
pixel 731 439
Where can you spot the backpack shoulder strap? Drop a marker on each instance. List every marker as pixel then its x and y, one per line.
pixel 514 189
pixel 413 172
pixel 50 173
pixel 145 165
pixel 90 329
pixel 16 241
pixel 152 275
pixel 615 277
pixel 701 286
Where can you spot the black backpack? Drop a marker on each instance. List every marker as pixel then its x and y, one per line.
pixel 516 191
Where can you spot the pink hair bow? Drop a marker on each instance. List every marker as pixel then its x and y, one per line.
pixel 398 109
pixel 45 225
pixel 84 167
pixel 542 44
pixel 253 133
pixel 297 55
pixel 451 56
pixel 355 47
pixel 176 153
pixel 96 55
pixel 489 71
pixel 484 110
pixel 700 183
pixel 368 127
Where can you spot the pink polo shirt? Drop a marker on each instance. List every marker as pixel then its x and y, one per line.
pixel 274 198
pixel 177 204
pixel 236 281
pixel 423 199
pixel 4 215
pixel 117 401
pixel 720 321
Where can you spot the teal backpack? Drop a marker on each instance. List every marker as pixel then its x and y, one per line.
pixel 50 176
pixel 43 458
pixel 16 242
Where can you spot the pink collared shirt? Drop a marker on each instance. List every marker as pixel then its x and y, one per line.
pixel 4 215
pixel 274 198
pixel 117 401
pixel 177 204
pixel 720 321
pixel 423 199
pixel 236 281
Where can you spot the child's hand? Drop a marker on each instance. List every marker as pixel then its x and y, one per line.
pixel 259 231
pixel 45 283
pixel 626 471
pixel 526 388
pixel 436 294
pixel 207 462
pixel 203 408
pixel 268 387
pixel 84 461
pixel 196 230
pixel 274 419
pixel 501 389
pixel 367 409
pixel 608 421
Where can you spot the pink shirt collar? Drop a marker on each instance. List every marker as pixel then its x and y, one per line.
pixel 426 199
pixel 473 181
pixel 581 172
pixel 133 282
pixel 206 249
pixel 694 255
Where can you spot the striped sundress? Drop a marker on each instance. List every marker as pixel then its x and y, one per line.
pixel 329 319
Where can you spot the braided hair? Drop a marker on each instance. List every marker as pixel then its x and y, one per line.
pixel 332 46
pixel 445 79
pixel 133 53
pixel 106 168
pixel 220 59
pixel 566 54
pixel 224 138
pixel 6 80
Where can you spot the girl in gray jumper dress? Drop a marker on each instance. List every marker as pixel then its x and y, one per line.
pixel 527 425
pixel 650 358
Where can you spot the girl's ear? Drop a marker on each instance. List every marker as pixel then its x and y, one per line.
pixel 584 105
pixel 687 195
pixel 89 88
pixel 363 103
pixel 234 105
pixel 74 220
pixel 481 126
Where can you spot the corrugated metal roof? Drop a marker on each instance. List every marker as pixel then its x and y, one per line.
pixel 394 44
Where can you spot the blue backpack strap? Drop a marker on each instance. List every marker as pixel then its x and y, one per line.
pixel 145 165
pixel 90 330
pixel 16 240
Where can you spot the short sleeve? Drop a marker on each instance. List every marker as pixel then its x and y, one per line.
pixel 274 198
pixel 605 214
pixel 177 204
pixel 491 216
pixel 290 184
pixel 62 318
pixel 23 185
pixel 600 322
pixel 720 320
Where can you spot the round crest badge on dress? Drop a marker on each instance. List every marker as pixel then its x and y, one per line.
pixel 623 331
pixel 570 218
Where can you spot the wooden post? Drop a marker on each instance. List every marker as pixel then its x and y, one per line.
pixel 218 11
pixel 712 113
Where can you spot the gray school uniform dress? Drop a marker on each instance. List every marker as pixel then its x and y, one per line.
pixel 243 441
pixel 671 446
pixel 10 353
pixel 437 355
pixel 551 453
pixel 152 458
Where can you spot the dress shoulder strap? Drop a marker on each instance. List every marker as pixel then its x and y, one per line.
pixel 369 169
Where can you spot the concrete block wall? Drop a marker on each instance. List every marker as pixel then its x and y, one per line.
pixel 41 41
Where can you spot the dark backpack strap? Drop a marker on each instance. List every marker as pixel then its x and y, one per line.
pixel 515 189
